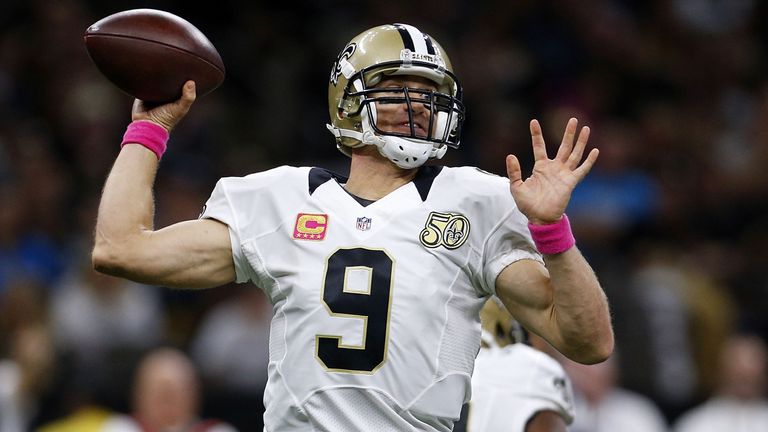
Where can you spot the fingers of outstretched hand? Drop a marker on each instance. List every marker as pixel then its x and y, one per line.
pixel 537 137
pixel 578 150
pixel 513 170
pixel 585 167
pixel 566 145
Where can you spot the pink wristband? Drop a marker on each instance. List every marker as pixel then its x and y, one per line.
pixel 553 238
pixel 150 135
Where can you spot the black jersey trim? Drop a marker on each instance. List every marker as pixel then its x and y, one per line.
pixel 363 202
pixel 424 179
pixel 318 176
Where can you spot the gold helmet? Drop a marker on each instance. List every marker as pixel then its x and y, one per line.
pixel 499 327
pixel 397 49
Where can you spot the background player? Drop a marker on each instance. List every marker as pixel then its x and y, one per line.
pixel 515 387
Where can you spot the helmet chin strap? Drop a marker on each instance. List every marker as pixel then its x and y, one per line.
pixel 403 152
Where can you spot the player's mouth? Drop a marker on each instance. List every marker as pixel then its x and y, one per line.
pixel 405 128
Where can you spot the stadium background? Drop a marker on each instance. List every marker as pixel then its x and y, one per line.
pixel 673 217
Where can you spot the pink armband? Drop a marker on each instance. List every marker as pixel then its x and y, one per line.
pixel 553 238
pixel 149 134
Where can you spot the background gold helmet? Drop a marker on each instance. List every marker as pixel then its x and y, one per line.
pixel 397 49
pixel 499 327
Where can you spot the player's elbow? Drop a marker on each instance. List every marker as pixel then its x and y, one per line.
pixel 598 354
pixel 596 350
pixel 111 258
pixel 105 259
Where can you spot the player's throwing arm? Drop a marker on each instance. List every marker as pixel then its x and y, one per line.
pixel 191 254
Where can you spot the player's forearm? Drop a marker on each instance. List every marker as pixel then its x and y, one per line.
pixel 580 308
pixel 126 211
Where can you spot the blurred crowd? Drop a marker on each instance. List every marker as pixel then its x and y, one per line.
pixel 673 217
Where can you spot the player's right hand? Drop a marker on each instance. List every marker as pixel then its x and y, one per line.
pixel 543 196
pixel 166 115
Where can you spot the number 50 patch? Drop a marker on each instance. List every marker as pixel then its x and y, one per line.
pixel 445 229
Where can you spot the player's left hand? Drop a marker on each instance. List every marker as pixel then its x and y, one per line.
pixel 544 195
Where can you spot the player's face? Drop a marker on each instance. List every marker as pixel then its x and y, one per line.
pixel 393 117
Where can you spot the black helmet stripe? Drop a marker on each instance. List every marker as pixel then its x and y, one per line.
pixel 415 40
pixel 430 46
pixel 407 39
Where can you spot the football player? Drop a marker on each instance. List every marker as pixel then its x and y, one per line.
pixel 376 279
pixel 515 387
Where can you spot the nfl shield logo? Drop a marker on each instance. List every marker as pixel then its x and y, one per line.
pixel 363 223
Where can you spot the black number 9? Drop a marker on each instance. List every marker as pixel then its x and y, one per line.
pixel 372 306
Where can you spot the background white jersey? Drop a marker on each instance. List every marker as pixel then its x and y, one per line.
pixel 376 307
pixel 511 384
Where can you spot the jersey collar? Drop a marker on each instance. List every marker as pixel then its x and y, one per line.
pixel 423 179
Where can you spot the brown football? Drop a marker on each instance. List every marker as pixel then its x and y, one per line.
pixel 150 54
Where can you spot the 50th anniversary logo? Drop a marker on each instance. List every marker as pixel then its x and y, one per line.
pixel 445 229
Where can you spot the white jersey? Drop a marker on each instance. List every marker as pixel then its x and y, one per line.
pixel 511 384
pixel 723 413
pixel 376 306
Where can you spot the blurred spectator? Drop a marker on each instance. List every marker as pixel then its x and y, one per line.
pixel 166 398
pixel 27 364
pixel 739 403
pixel 602 406
pixel 24 377
pixel 232 344
pixel 672 316
pixel 751 285
pixel 713 16
pixel 24 255
pixel 85 419
pixel 618 196
pixel 98 320
pixel 232 350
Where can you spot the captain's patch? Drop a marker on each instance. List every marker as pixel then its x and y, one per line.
pixel 310 226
